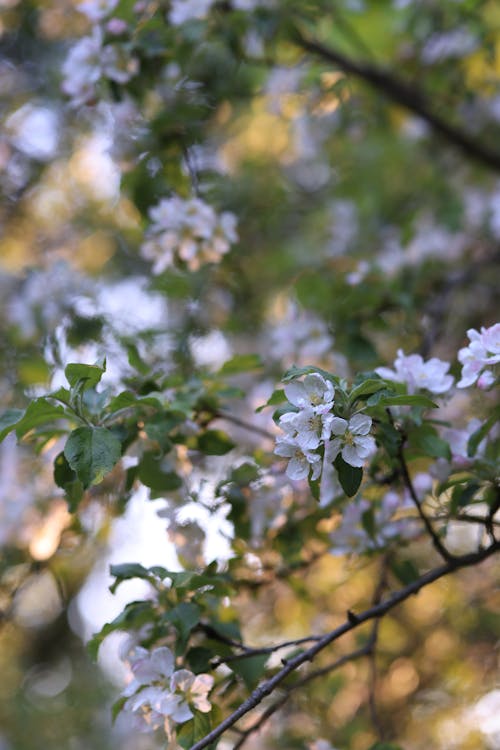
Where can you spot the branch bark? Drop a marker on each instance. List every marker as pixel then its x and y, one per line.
pixel 353 621
pixel 406 95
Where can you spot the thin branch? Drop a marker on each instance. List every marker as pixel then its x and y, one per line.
pixel 406 95
pixel 466 518
pixel 347 658
pixel 353 621
pixel 248 651
pixel 245 425
pixel 438 545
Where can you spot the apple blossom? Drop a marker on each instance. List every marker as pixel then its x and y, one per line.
pixel 352 439
pixel 416 373
pixel 301 460
pixel 483 350
pixel 314 392
pixel 158 694
pixel 187 230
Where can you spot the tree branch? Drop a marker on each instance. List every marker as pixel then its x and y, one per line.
pixel 438 545
pixel 408 96
pixel 354 621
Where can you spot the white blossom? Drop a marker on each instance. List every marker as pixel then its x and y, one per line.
pixel 188 230
pixel 416 373
pixel 89 61
pixel 182 11
pixel 96 10
pixel 314 392
pixel 388 525
pixel 352 439
pixel 450 44
pixel 307 427
pixel 159 694
pixel 482 351
pixel 300 461
pixel 299 337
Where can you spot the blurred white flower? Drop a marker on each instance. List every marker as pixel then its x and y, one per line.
pixel 158 694
pixel 187 230
pixel 482 352
pixel 96 10
pixel 182 11
pixel 416 373
pixel 89 61
pixel 450 44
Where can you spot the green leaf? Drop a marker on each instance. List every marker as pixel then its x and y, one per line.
pixel 39 412
pixel 117 707
pixel 214 443
pixel 184 618
pixel 425 441
pixel 195 730
pixel 241 363
pixel 126 571
pixel 349 476
pixel 132 617
pixel 297 372
pixel 127 399
pixel 481 432
pixel 462 495
pixel 405 571
pixel 85 376
pixel 407 400
pixel 277 397
pixel 92 452
pixel 66 478
pixel 250 669
pixel 367 388
pixel 199 658
pixel 151 474
pixel 314 486
pixel 8 420
pixel 385 746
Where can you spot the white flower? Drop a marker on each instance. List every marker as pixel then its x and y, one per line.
pixel 314 391
pixel 96 10
pixel 187 10
pixel 189 230
pixel 193 688
pixel 82 68
pixel 412 370
pixel 352 440
pixel 307 427
pixel 458 441
pixel 301 460
pixel 483 350
pixel 88 61
pixel 158 694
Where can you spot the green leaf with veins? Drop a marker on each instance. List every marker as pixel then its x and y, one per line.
pixel 92 452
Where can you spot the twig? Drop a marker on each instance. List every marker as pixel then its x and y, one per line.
pixel 373 612
pixel 406 95
pixel 438 545
pixel 347 658
pixel 248 651
pixel 245 425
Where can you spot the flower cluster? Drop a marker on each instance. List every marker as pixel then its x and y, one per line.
pixel 90 60
pixel 477 358
pixel 416 373
pixel 159 695
pixel 188 230
pixel 313 424
pixel 387 522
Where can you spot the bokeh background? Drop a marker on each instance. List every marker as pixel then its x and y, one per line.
pixel 361 230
